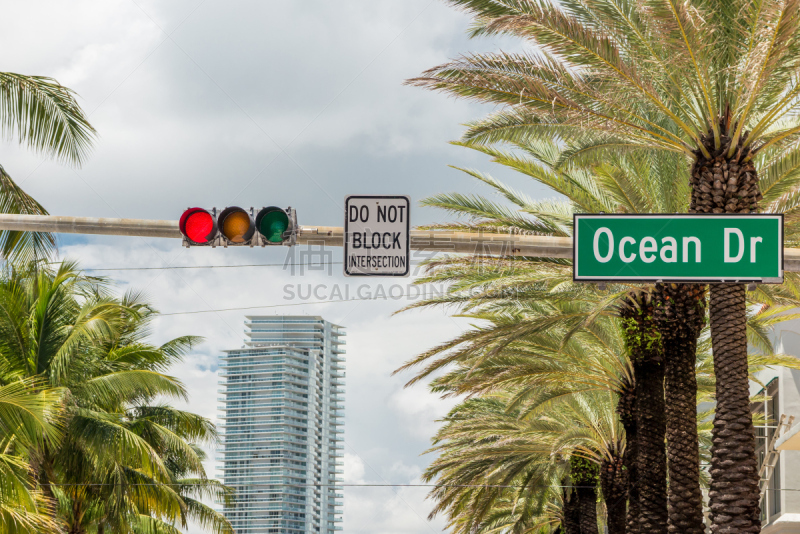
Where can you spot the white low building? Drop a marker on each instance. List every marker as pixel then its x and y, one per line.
pixel 780 505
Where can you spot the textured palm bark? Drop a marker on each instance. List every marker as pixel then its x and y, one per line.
pixel 572 513
pixel 721 185
pixel 652 458
pixel 630 461
pixel 644 343
pixel 625 409
pixel 729 185
pixel 587 500
pixel 584 474
pixel 734 495
pixel 680 314
pixel 614 483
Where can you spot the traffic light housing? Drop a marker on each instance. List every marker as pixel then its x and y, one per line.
pixel 235 226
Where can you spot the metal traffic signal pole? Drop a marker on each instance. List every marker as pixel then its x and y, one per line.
pixel 332 236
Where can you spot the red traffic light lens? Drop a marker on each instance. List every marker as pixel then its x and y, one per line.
pixel 236 225
pixel 198 225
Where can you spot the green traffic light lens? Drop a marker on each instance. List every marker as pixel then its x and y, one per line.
pixel 273 224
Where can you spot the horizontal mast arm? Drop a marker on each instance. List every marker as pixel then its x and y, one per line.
pixel 333 236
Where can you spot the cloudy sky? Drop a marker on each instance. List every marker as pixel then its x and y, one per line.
pixel 217 103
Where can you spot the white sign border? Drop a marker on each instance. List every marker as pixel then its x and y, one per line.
pixel 408 234
pixel 690 279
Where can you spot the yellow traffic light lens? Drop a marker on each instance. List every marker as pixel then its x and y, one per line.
pixel 235 226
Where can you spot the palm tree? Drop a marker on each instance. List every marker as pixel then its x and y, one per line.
pixel 124 463
pixel 28 416
pixel 45 116
pixel 175 435
pixel 531 376
pixel 630 184
pixel 714 82
pixel 541 366
pixel 646 349
pixel 510 477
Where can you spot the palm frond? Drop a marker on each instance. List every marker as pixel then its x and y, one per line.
pixel 45 115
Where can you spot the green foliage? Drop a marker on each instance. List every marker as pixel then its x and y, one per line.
pixel 45 116
pixel 15 245
pixel 621 76
pixel 540 338
pixel 500 469
pixel 86 433
pixel 639 340
pixel 583 471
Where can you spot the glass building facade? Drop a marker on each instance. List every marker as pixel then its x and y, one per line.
pixel 282 420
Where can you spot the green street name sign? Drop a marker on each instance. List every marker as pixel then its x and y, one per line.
pixel 688 248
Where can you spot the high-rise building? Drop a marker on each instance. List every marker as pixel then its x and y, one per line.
pixel 283 417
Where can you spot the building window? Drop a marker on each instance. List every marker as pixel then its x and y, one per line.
pixel 768 410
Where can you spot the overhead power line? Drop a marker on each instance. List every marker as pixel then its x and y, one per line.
pixel 499 486
pixel 213 266
pixel 94 269
pixel 392 297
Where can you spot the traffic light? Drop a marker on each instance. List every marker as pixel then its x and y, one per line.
pixel 235 226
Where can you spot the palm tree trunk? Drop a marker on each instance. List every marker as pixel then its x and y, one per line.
pixel 627 416
pixel 730 186
pixel 584 474
pixel 42 464
pixel 652 457
pixel 630 461
pixel 587 500
pixel 614 483
pixel 572 513
pixel 644 343
pixel 681 315
pixel 734 494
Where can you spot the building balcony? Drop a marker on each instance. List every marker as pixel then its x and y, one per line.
pixel 266 369
pixel 292 330
pixel 234 392
pixel 285 319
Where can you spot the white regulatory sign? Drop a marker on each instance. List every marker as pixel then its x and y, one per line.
pixel 377 231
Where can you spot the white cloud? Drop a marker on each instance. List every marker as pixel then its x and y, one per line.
pixel 192 122
pixel 196 117
pixel 387 427
pixel 353 469
pixel 418 410
pixel 389 511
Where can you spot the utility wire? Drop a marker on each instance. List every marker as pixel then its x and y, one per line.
pixel 339 485
pixel 220 266
pixel 393 297
pixel 214 266
pixel 497 486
